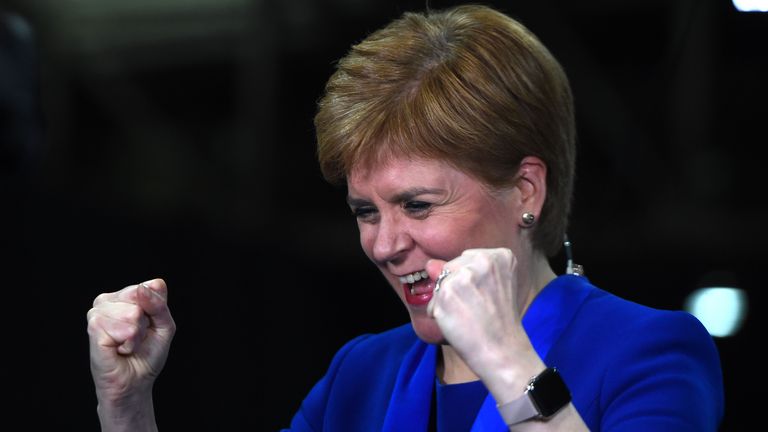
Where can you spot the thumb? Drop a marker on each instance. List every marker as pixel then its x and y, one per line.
pixel 152 296
pixel 434 267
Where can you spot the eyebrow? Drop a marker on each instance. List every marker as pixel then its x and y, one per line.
pixel 405 195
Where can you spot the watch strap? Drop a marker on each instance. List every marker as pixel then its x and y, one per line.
pixel 518 410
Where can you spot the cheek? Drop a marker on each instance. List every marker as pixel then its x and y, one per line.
pixel 367 237
pixel 449 240
pixel 441 242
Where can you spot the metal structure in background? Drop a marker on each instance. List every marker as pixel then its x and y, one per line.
pixel 645 76
pixel 165 101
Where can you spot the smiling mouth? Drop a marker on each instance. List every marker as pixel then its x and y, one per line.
pixel 418 287
pixel 410 281
pixel 414 277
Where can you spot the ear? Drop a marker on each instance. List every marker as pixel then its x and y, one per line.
pixel 532 185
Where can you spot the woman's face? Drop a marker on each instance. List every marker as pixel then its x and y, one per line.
pixel 412 210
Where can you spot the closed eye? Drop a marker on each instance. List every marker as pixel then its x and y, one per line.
pixel 417 208
pixel 364 213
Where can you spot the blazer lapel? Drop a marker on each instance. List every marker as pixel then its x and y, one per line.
pixel 411 399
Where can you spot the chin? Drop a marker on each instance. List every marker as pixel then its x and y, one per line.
pixel 427 329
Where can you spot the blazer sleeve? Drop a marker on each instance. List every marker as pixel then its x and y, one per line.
pixel 666 376
pixel 311 414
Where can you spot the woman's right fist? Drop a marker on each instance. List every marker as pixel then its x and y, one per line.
pixel 130 333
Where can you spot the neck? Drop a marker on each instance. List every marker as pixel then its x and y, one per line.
pixel 451 369
pixel 541 276
pixel 530 283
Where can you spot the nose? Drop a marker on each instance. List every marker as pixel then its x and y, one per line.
pixel 392 239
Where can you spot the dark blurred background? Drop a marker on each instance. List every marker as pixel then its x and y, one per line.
pixel 174 139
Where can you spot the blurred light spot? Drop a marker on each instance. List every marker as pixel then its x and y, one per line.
pixel 720 309
pixel 751 5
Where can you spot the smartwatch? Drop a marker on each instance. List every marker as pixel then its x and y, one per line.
pixel 545 395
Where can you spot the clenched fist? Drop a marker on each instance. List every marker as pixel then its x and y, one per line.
pixel 130 333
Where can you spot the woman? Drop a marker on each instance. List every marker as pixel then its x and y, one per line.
pixel 454 132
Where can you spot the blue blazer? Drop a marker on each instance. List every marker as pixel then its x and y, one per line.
pixel 629 368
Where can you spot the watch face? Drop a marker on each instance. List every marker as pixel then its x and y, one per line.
pixel 549 392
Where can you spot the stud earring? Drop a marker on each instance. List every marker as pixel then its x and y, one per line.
pixel 528 219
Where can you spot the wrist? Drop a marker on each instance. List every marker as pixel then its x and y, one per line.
pixel 509 378
pixel 134 413
pixel 545 395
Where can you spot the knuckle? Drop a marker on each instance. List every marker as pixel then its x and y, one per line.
pixel 133 314
pixel 94 323
pixel 130 331
pixel 462 276
pixel 101 298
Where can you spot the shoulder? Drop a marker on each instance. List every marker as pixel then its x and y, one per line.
pixel 617 316
pixel 581 307
pixel 618 327
pixel 628 360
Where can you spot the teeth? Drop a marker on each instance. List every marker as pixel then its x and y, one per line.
pixel 414 277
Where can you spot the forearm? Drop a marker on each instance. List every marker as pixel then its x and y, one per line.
pixel 136 415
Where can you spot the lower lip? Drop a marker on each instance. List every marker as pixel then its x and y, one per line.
pixel 416 299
